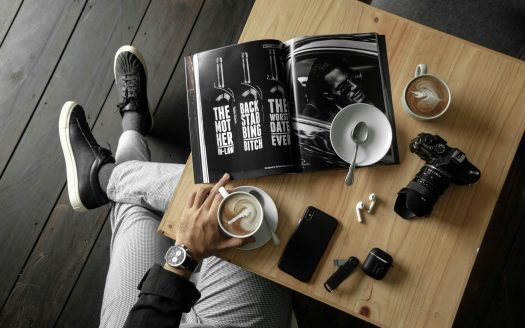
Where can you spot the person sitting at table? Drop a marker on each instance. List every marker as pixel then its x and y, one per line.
pixel 139 192
pixel 332 85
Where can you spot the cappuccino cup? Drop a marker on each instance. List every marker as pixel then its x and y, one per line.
pixel 240 214
pixel 426 96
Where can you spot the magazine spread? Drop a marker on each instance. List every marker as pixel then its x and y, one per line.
pixel 265 107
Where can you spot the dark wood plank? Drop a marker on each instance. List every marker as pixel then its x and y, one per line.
pixel 497 244
pixel 509 300
pixel 161 37
pixel 8 11
pixel 29 55
pixel 83 306
pixel 43 287
pixel 220 24
pixel 35 176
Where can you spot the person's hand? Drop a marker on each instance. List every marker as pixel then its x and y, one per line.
pixel 199 230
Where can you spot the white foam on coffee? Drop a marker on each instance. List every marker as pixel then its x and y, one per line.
pixel 251 221
pixel 428 97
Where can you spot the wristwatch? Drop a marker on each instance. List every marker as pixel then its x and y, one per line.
pixel 178 256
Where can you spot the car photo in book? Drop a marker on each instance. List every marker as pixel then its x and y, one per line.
pixel 326 74
pixel 265 107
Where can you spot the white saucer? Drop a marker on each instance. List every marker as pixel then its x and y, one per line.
pixel 270 213
pixel 379 134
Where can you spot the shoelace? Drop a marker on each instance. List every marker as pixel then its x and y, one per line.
pixel 130 90
pixel 107 155
pixel 104 152
pixel 92 142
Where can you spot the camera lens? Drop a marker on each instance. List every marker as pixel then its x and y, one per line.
pixel 433 179
pixel 419 197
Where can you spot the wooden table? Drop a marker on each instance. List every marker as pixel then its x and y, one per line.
pixel 433 256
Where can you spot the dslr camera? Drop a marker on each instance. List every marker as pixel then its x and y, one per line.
pixel 443 166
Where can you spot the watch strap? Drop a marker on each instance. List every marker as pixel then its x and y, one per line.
pixel 341 274
pixel 189 263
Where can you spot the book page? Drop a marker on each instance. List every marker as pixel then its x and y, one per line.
pixel 326 74
pixel 240 118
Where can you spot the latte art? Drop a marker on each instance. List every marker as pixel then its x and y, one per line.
pixel 239 205
pixel 428 97
pixel 247 212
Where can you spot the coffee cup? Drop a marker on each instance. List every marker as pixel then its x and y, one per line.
pixel 426 96
pixel 240 214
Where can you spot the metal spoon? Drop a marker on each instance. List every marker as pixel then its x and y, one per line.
pixel 260 198
pixel 359 135
pixel 243 213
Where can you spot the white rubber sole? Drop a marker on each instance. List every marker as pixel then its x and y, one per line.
pixel 134 51
pixel 67 150
pixel 137 53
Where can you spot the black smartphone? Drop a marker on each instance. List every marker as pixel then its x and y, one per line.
pixel 307 244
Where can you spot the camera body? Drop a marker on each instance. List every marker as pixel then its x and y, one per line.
pixel 443 166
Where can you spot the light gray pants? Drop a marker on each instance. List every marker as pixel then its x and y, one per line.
pixel 140 192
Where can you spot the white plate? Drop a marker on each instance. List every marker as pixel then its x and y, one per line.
pixel 270 213
pixel 379 134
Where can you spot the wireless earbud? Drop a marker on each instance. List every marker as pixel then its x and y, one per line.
pixel 373 200
pixel 358 208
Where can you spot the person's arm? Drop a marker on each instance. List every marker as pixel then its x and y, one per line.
pixel 164 296
pixel 166 292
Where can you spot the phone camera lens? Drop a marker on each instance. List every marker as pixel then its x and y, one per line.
pixel 309 215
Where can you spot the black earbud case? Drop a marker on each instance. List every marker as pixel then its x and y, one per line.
pixel 377 263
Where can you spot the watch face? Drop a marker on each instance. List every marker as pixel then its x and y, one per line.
pixel 176 255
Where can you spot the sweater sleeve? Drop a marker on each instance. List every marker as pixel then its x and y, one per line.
pixel 163 297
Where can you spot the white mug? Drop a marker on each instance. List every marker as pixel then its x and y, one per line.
pixel 429 97
pixel 251 222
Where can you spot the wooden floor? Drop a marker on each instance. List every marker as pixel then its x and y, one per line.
pixel 53 260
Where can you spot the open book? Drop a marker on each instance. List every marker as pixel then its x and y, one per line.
pixel 265 107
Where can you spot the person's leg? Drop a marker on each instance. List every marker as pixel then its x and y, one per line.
pixel 138 191
pixel 147 184
pixel 230 296
pixel 131 84
pixel 233 297
pixel 135 247
pixel 137 181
